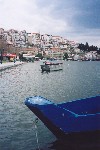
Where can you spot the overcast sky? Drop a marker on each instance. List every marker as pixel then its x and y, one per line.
pixel 77 20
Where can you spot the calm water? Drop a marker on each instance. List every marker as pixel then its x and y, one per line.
pixel 17 130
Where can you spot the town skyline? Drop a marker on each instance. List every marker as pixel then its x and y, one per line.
pixel 34 33
pixel 49 46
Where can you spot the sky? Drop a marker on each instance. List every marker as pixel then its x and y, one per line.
pixel 76 20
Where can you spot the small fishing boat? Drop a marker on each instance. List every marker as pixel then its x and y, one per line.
pixel 74 120
pixel 51 66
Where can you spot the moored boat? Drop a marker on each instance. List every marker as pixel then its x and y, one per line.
pixel 51 66
pixel 75 120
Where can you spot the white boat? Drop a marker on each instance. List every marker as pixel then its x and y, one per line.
pixel 51 66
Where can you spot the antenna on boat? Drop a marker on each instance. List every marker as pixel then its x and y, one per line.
pixel 36 132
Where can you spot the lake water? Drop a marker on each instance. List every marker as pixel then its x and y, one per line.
pixel 17 129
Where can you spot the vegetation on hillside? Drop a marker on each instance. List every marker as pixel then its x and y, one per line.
pixel 87 48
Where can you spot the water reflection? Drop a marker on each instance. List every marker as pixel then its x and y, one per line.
pixel 58 145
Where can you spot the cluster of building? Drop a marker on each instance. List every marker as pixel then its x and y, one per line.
pixel 34 43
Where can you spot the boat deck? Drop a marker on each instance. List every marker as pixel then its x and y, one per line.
pixel 67 118
pixel 82 106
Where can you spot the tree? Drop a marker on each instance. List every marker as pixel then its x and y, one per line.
pixel 65 56
pixel 39 55
pixel 98 51
pixel 86 47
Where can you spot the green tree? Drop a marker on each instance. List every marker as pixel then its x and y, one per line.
pixel 65 56
pixel 39 55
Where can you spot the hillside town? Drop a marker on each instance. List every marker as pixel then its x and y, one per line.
pixel 44 45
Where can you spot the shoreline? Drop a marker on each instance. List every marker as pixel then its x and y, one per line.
pixel 8 65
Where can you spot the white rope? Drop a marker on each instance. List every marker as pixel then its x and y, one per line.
pixel 36 133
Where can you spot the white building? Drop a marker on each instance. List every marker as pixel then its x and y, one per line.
pixel 91 55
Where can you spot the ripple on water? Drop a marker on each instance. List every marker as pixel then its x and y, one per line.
pixel 17 132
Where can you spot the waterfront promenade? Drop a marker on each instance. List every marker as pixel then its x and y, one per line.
pixel 7 65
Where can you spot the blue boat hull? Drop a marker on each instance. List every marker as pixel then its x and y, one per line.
pixel 76 120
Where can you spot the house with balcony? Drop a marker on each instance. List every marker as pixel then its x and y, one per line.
pixel 1 33
pixel 54 53
pixel 35 39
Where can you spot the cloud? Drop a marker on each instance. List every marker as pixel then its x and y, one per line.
pixel 26 14
pixel 76 20
pixel 89 14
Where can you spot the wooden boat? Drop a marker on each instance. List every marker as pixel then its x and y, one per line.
pixel 51 66
pixel 74 120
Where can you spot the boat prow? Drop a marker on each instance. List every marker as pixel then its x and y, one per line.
pixel 79 119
